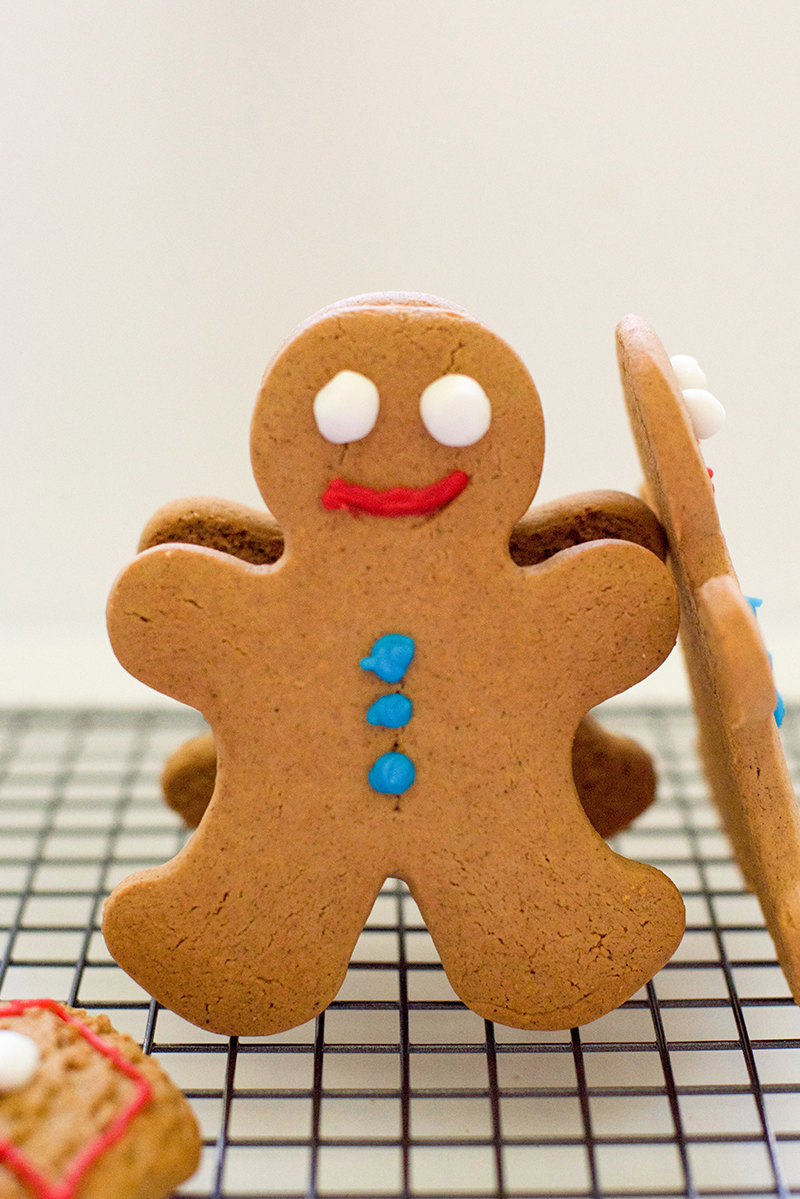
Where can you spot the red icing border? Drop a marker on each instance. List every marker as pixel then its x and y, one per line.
pixel 19 1164
pixel 395 501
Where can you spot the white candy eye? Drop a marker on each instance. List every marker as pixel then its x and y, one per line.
pixel 705 411
pixel 19 1058
pixel 346 408
pixel 455 410
pixel 687 371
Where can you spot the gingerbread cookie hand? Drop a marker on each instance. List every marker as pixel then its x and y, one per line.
pixel 168 600
pixel 395 697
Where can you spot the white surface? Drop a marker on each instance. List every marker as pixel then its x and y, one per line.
pixel 68 669
pixel 184 183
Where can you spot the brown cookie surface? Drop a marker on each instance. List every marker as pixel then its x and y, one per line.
pixel 60 1124
pixel 614 777
pixel 537 922
pixel 728 666
pixel 188 778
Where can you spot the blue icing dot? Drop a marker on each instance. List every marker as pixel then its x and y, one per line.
pixel 392 774
pixel 780 709
pixel 780 706
pixel 390 711
pixel 390 657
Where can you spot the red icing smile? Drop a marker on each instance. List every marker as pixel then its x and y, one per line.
pixel 67 1186
pixel 395 501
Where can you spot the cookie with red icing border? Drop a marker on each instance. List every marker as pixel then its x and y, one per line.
pixel 85 1114
pixel 728 665
pixel 395 696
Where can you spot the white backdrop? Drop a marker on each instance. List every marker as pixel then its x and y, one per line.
pixel 185 180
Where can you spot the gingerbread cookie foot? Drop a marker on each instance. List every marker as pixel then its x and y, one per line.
pixel 250 930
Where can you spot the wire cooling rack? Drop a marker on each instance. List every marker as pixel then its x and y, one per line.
pixel 692 1088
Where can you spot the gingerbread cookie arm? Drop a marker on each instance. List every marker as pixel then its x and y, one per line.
pixel 629 600
pixel 727 664
pixel 546 529
pixel 217 524
pixel 161 604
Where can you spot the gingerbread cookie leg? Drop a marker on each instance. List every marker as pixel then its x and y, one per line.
pixel 614 777
pixel 565 952
pixel 727 663
pixel 251 927
pixel 520 943
pixel 242 940
pixel 188 778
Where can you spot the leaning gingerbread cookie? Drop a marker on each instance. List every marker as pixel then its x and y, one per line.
pixel 84 1114
pixel 729 668
pixel 395 697
pixel 614 776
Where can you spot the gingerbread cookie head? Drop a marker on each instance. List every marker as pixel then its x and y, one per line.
pixel 396 405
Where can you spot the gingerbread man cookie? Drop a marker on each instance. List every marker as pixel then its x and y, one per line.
pixel 394 697
pixel 613 775
pixel 728 665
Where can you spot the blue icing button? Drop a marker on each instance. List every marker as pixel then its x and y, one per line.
pixel 392 774
pixel 390 711
pixel 780 706
pixel 390 657
pixel 780 709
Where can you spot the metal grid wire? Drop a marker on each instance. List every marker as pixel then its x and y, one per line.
pixel 691 1088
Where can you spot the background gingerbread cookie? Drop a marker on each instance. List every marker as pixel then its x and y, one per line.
pixel 729 668
pixel 394 697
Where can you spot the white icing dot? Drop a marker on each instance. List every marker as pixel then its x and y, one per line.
pixel 19 1058
pixel 706 412
pixel 687 371
pixel 346 408
pixel 455 410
